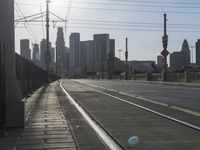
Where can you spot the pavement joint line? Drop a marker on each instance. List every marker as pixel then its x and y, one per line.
pixel 148 100
pixel 152 111
pixel 100 131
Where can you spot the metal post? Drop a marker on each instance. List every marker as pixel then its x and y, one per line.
pixel 47 35
pixel 165 53
pixel 126 56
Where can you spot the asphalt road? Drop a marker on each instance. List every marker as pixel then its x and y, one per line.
pixel 180 96
pixel 122 120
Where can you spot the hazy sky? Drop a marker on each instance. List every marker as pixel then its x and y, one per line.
pixel 139 20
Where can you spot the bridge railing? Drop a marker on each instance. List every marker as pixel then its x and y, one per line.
pixel 30 77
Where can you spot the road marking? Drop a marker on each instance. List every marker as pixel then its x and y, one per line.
pixel 100 131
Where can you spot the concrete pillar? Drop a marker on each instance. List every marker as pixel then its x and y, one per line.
pixel 14 106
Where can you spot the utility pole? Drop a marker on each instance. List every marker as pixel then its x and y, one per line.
pixel 35 18
pixel 165 53
pixel 47 36
pixel 126 57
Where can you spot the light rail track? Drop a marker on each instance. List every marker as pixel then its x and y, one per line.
pixel 140 106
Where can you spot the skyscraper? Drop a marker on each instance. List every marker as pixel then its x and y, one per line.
pixel 43 53
pixel 52 59
pixel 83 57
pixel 24 49
pixel 91 51
pixel 112 47
pixel 186 53
pixel 60 54
pixel 102 50
pixel 74 46
pixel 198 52
pixel 36 54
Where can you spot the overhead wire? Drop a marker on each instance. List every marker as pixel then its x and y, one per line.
pixel 67 16
pixel 42 19
pixel 32 32
pixel 122 10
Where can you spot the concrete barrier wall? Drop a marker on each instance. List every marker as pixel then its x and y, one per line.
pixel 193 77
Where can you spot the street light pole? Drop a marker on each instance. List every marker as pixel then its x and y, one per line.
pixel 126 56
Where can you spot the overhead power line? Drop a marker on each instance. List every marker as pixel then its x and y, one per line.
pixel 126 10
pixel 32 32
pixel 156 2
pixel 42 18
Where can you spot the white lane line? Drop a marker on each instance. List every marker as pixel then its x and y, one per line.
pixel 151 110
pixel 102 134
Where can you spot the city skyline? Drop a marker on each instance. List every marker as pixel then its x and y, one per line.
pixel 138 49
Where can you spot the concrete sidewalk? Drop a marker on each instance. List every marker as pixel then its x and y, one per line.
pixel 46 127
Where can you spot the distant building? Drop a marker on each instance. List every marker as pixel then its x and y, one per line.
pixel 60 52
pixel 102 50
pixel 112 47
pixel 176 61
pixel 67 59
pixel 179 60
pixel 87 59
pixel 198 52
pixel 91 51
pixel 74 46
pixel 24 49
pixel 36 54
pixel 186 53
pixel 160 60
pixel 141 66
pixel 83 57
pixel 52 59
pixel 43 53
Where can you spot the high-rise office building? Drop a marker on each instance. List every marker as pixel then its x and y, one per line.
pixel 66 59
pixel 60 52
pixel 102 50
pixel 112 47
pixel 83 57
pixel 186 53
pixel 91 51
pixel 87 59
pixel 179 60
pixel 52 59
pixel 24 49
pixel 36 54
pixel 74 46
pixel 43 53
pixel 198 52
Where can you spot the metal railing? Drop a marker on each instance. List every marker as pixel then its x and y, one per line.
pixel 30 77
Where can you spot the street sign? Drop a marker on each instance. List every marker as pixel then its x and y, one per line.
pixel 164 53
